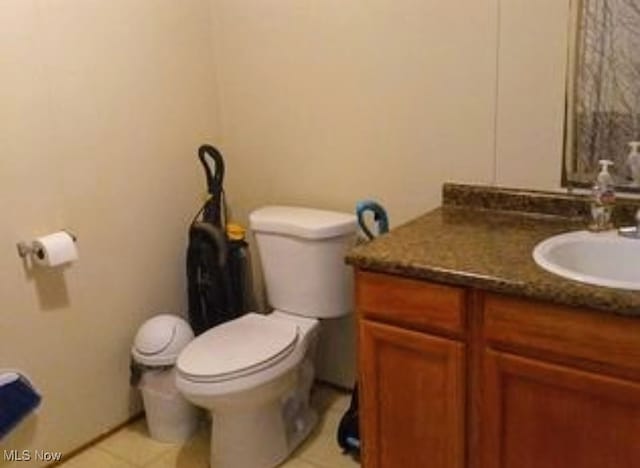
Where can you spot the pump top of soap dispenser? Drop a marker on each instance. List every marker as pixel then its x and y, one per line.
pixel 604 179
pixel 635 146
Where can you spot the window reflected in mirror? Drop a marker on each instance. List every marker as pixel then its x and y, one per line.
pixel 603 105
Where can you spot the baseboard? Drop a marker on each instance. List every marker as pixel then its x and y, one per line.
pixel 334 386
pixel 66 457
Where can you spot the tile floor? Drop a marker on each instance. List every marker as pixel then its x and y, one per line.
pixel 132 447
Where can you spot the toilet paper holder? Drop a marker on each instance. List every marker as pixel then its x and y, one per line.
pixel 27 248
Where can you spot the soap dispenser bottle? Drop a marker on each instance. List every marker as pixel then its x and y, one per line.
pixel 633 161
pixel 603 198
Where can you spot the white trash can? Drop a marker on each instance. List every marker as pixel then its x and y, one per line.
pixel 170 418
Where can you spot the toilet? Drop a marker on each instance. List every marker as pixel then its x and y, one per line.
pixel 254 374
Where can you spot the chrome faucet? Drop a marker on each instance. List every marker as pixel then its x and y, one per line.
pixel 632 232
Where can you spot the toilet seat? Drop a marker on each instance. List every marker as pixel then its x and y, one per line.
pixel 237 348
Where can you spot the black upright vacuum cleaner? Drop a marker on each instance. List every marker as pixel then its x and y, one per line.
pixel 217 264
pixel 348 429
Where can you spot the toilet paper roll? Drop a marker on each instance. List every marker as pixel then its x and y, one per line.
pixel 54 249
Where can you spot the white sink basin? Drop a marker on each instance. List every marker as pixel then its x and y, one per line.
pixel 603 259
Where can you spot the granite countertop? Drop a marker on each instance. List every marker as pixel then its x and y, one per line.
pixel 483 238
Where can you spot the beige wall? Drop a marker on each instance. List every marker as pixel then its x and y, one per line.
pixel 531 92
pixel 102 105
pixel 315 103
pixel 325 103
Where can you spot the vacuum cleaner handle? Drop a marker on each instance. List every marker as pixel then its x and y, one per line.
pixel 214 180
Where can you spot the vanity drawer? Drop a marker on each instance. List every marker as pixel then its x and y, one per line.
pixel 410 303
pixel 578 335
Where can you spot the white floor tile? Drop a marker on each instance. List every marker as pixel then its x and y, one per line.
pixel 193 454
pixel 298 463
pixel 134 444
pixel 322 447
pixel 95 458
pixel 133 447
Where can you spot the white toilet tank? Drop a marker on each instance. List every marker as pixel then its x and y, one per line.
pixel 302 254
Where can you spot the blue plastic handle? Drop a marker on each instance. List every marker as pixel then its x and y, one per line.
pixel 379 216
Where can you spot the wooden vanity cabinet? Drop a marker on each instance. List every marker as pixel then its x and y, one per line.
pixel 452 377
pixel 412 373
pixel 561 387
pixel 540 415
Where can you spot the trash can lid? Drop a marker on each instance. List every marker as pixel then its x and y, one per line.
pixel 160 339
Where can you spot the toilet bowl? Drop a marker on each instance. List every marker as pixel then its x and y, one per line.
pixel 254 373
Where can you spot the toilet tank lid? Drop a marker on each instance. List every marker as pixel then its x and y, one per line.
pixel 308 223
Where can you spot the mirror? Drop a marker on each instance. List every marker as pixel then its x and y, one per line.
pixel 603 95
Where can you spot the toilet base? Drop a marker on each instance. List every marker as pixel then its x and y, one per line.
pixel 256 439
pixel 263 436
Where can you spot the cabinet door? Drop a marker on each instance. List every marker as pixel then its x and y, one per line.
pixel 412 398
pixel 539 415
